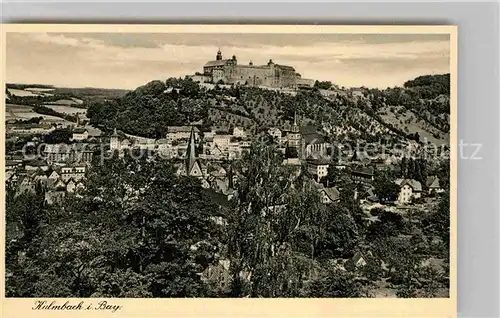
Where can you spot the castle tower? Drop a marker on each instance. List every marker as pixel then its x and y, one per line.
pixel 114 141
pixel 219 55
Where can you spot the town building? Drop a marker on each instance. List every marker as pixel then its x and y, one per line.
pixel 63 153
pixel 74 172
pixel 329 195
pixel 275 133
pixel 318 168
pixel 409 189
pixel 79 134
pixel 239 132
pixel 362 175
pixel 176 133
pixel 313 142
pixel 433 185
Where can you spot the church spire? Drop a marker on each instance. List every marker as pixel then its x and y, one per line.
pixel 219 55
pixel 191 152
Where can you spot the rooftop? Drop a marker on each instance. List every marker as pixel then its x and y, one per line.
pixel 178 129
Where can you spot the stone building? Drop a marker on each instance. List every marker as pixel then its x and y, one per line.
pixel 228 71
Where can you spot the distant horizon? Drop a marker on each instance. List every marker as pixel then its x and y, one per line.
pixel 129 60
pixel 131 89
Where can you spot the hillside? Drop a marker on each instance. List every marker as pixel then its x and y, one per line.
pixel 371 116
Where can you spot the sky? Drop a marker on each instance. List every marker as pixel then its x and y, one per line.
pixel 129 60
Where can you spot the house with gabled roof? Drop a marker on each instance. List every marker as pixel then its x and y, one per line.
pixel 329 195
pixel 60 185
pixel 433 185
pixel 408 189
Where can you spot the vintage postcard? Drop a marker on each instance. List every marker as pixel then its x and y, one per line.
pixel 228 171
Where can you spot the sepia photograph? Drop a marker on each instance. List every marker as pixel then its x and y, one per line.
pixel 227 164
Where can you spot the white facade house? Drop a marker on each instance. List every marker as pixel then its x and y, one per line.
pixel 318 168
pixel 239 132
pixel 175 133
pixel 275 133
pixel 222 141
pixel 408 189
pixel 80 134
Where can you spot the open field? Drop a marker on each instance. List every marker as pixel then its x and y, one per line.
pixel 39 89
pixel 66 109
pixel 23 112
pixel 22 93
pixel 72 101
pixel 69 96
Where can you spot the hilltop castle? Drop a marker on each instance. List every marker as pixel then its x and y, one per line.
pixel 228 71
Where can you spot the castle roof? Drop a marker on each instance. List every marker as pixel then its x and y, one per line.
pixel 285 67
pixel 217 63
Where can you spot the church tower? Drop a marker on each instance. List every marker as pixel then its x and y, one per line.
pixel 219 55
pixel 294 138
pixel 114 141
pixel 193 167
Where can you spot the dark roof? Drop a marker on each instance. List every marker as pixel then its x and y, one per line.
pixel 37 163
pixel 308 129
pixel 285 67
pixel 176 129
pixel 332 193
pixel 11 163
pixel 217 63
pixel 432 182
pixel 414 184
pixel 314 161
pixel 79 130
pixel 363 171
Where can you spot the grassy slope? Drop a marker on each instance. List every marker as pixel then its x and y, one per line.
pixel 405 119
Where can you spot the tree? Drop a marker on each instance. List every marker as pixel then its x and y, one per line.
pixel 137 230
pixel 57 136
pixel 385 189
pixel 333 176
pixel 275 227
pixel 335 283
pixel 438 221
pixel 322 85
